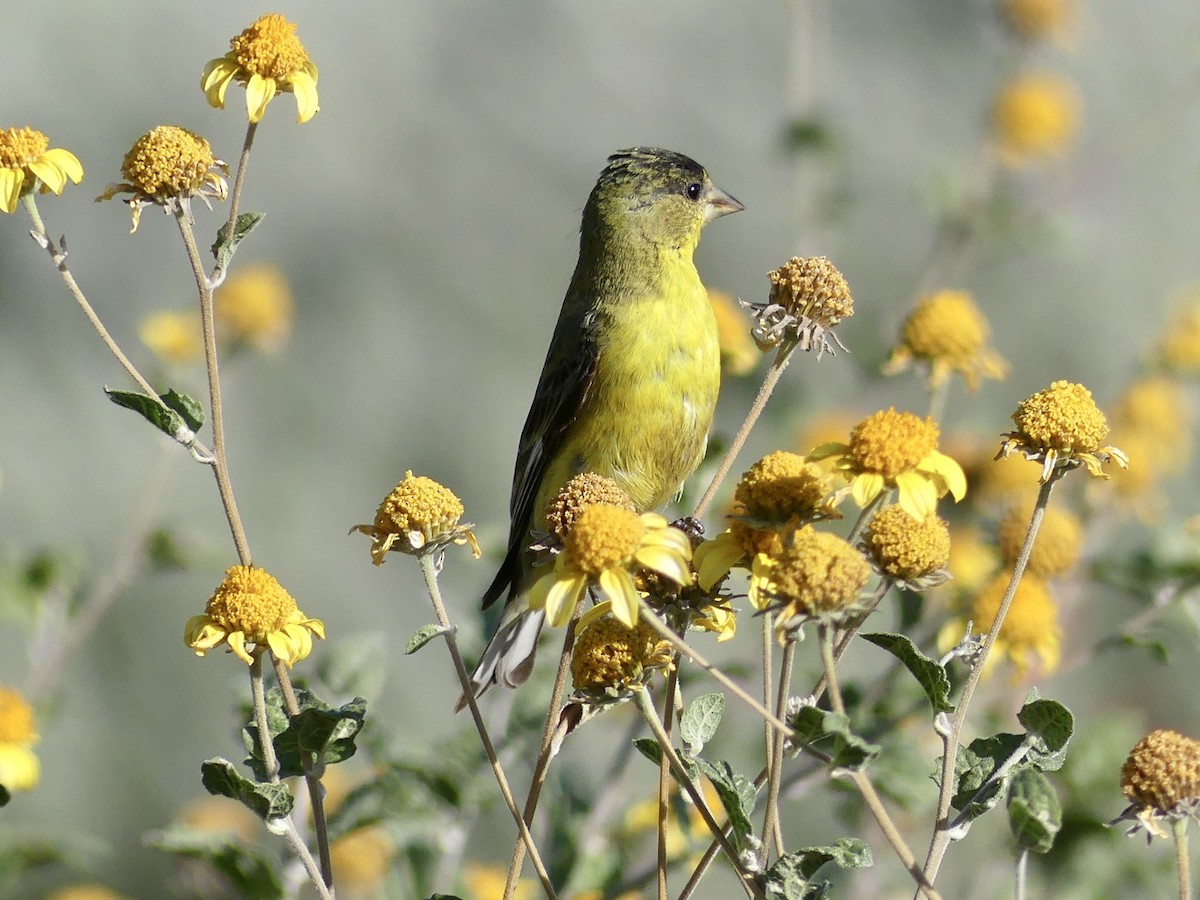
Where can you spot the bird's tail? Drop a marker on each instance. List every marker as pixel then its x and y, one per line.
pixel 508 657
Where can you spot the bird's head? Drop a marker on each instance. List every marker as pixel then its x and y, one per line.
pixel 655 195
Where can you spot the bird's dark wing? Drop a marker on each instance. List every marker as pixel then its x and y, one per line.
pixel 567 375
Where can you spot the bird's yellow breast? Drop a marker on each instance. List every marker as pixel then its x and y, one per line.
pixel 647 414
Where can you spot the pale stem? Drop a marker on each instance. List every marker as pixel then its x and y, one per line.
pixel 772 828
pixel 235 195
pixel 221 460
pixel 646 706
pixel 937 399
pixel 1179 830
pixel 768 685
pixel 429 571
pixel 1020 874
pixel 872 799
pixel 714 848
pixel 739 440
pixel 664 778
pixel 942 832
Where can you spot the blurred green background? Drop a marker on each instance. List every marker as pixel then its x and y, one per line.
pixel 427 220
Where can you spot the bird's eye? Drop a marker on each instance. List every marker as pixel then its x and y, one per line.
pixel 693 191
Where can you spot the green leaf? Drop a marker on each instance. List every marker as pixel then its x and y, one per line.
pixel 188 407
pixel 251 874
pixel 317 734
pixel 973 769
pixel 650 749
pixel 226 245
pixel 1034 812
pixel 1052 725
pixel 170 422
pixel 790 877
pixel 847 853
pixel 266 800
pixel 830 733
pixel 699 721
pixel 736 793
pixel 423 636
pixel 929 674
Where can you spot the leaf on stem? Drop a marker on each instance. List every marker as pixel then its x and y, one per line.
pixel 1034 811
pixel 226 244
pixel 830 732
pixel 423 636
pixel 790 878
pixel 699 721
pixel 318 734
pixel 736 792
pixel 266 800
pixel 174 414
pixel 929 674
pixel 1051 725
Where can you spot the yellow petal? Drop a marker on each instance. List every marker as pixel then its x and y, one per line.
pixel 305 88
pixel 950 472
pixel 665 562
pixel 259 92
pixel 19 768
pixel 10 188
pixel 52 177
pixel 283 645
pixel 215 80
pixel 67 161
pixel 918 495
pixel 316 626
pixel 599 611
pixel 617 585
pixel 866 487
pixel 715 558
pixel 562 598
pixel 672 538
pixel 237 643
pixel 826 450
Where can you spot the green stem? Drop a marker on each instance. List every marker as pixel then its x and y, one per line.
pixel 1183 866
pixel 1020 874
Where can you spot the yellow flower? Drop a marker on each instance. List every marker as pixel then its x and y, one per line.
pixel 487 883
pixel 739 356
pixel 1005 478
pixel 1138 487
pixel 1059 539
pixel 362 860
pixel 914 554
pixel 1062 427
pixel 719 620
pixel 1156 409
pixel 168 166
pixel 419 516
pixel 85 892
pixel 251 607
pixel 19 767
pixel 972 560
pixel 1161 780
pixel 1035 20
pixel 890 449
pixel 817 575
pixel 1030 629
pixel 578 494
pixel 267 58
pixel 809 297
pixel 217 816
pixel 1035 116
pixel 174 337
pixel 947 332
pixel 1179 343
pixel 610 654
pixel 603 546
pixel 27 162
pixel 254 304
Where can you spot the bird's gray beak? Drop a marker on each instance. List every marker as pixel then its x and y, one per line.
pixel 720 204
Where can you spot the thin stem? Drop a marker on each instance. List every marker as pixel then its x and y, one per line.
pixel 259 703
pixel 306 859
pixel 429 571
pixel 664 778
pixel 714 848
pixel 937 399
pixel 1020 873
pixel 768 652
pixel 749 885
pixel 771 823
pixel 942 833
pixel 221 460
pixel 739 440
pixel 235 196
pixel 1183 865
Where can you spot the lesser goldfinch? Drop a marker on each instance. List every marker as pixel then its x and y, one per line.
pixel 631 377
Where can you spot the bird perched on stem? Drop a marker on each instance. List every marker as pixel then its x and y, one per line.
pixel 631 377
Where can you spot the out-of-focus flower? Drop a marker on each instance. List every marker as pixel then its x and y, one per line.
pixel 174 337
pixel 19 767
pixel 1178 346
pixel 1030 629
pixel 1035 117
pixel 1059 539
pixel 948 333
pixel 1062 427
pixel 1161 780
pixel 739 356
pixel 487 882
pixel 251 608
pixel 254 305
pixel 220 816
pixel 27 161
pixel 267 58
pixel 362 860
pixel 85 892
pixel 1040 20
pixel 419 516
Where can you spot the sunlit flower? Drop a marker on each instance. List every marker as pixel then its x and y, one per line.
pixel 817 575
pixel 1161 780
pixel 973 560
pixel 168 166
pixel 582 491
pixel 890 449
pixel 1035 116
pixel 717 619
pixel 1059 539
pixel 809 297
pixel 1155 409
pixel 174 337
pixel 254 304
pixel 1001 480
pixel 683 832
pixel 1179 343
pixel 948 333
pixel 419 516
pixel 218 816
pixel 19 767
pixel 85 892
pixel 1039 20
pixel 1138 486
pixel 251 608
pixel 739 356
pixel 28 162
pixel 608 654
pixel 1062 427
pixel 1030 629
pixel 602 549
pixel 914 554
pixel 487 882
pixel 267 58
pixel 362 860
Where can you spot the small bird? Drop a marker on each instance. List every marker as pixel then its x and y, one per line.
pixel 631 377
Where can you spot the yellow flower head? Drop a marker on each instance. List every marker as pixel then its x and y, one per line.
pixel 809 297
pixel 217 816
pixel 610 654
pixel 1002 479
pixel 168 166
pixel 973 561
pixel 1156 410
pixel 947 332
pixel 85 892
pixel 817 575
pixel 1062 427
pixel 487 883
pixel 1035 116
pixel 1038 20
pixel 739 356
pixel 1059 539
pixel 251 607
pixel 174 337
pixel 419 516
pixel 1179 343
pixel 19 767
pixel 604 546
pixel 254 305
pixel 1161 780
pixel 1030 629
pixel 914 554
pixel 582 491
pixel 362 859
pixel 27 161
pixel 267 58
pixel 890 449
